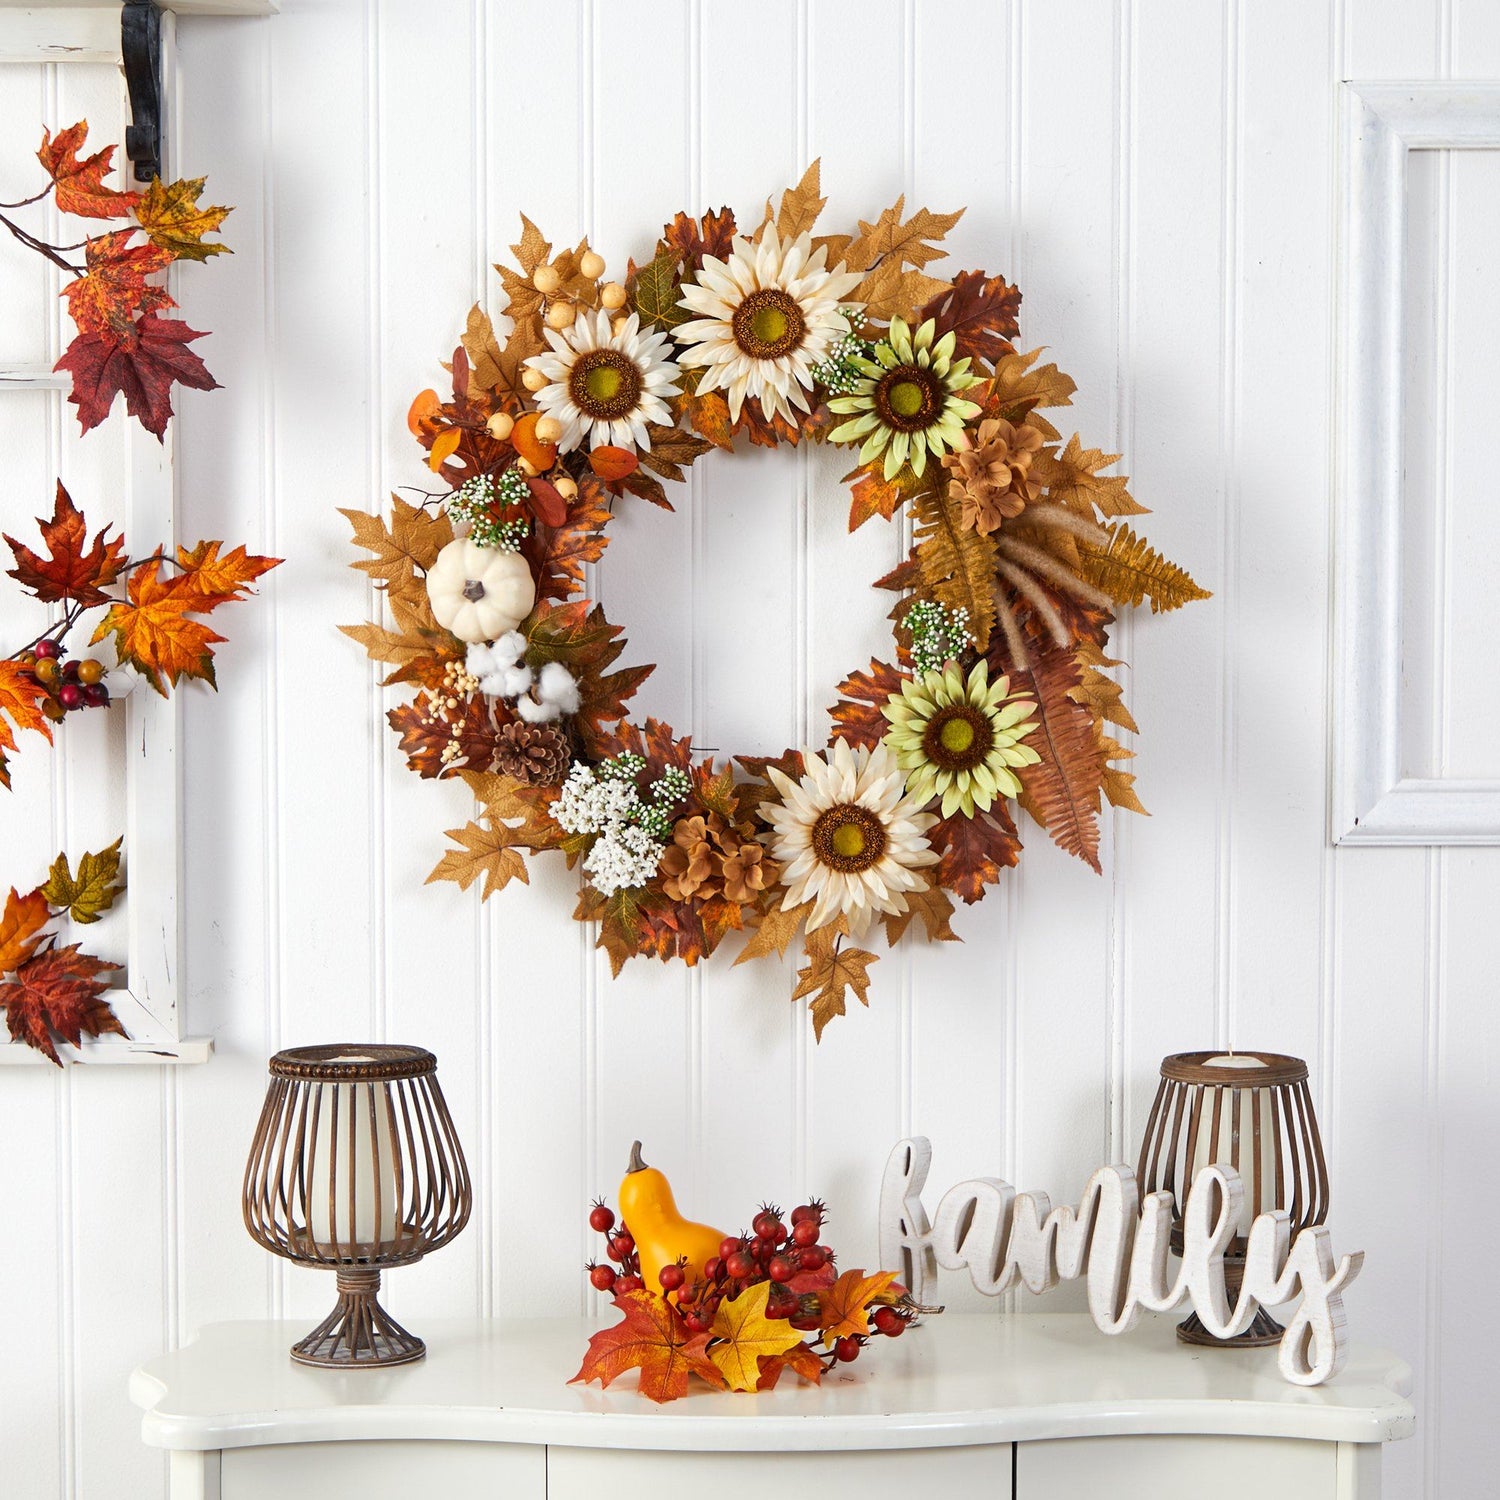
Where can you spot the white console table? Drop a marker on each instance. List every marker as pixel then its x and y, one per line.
pixel 1024 1406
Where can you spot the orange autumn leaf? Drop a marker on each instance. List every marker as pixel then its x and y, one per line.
pixel 708 415
pixel 613 464
pixel 541 456
pixel 444 446
pixel 80 181
pixel 71 570
pixel 59 991
pixel 653 1339
pixel 424 412
pixel 844 1309
pixel 152 630
pixel 803 1361
pixel 20 697
pixel 221 580
pixel 872 494
pixel 114 290
pixel 743 1335
pixel 21 924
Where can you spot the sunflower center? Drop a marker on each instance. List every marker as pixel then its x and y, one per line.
pixel 604 384
pixel 958 738
pixel 909 398
pixel 848 838
pixel 768 324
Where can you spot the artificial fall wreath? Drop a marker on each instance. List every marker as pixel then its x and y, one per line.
pixel 1000 689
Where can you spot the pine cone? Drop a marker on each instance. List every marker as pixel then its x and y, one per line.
pixel 993 477
pixel 535 754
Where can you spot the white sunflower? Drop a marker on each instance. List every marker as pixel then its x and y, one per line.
pixel 766 316
pixel 847 836
pixel 604 385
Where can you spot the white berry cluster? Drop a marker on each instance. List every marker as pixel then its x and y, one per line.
pixel 500 671
pixel 483 502
pixel 630 830
pixel 937 634
pixel 837 372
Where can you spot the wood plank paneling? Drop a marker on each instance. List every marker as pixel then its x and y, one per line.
pixel 1160 179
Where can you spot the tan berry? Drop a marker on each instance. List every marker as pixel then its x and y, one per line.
pixel 500 425
pixel 548 430
pixel 546 280
pixel 560 315
pixel 612 295
pixel 533 379
pixel 591 264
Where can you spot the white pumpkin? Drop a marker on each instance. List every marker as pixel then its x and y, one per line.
pixel 479 593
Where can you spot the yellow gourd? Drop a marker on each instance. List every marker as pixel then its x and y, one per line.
pixel 661 1234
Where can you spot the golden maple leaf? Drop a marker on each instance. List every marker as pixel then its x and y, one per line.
pixel 1072 478
pixel 1016 384
pixel 844 1309
pixel 92 890
pixel 483 851
pixel 801 205
pixel 933 905
pixel 913 242
pixel 829 973
pixel 404 545
pixel 20 697
pixel 743 1335
pixel 172 218
pixel 774 934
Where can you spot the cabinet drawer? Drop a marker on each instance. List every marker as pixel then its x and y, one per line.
pixel 386 1471
pixel 589 1473
pixel 1148 1468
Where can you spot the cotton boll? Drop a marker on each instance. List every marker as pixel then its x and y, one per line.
pixel 557 685
pixel 513 681
pixel 509 649
pixel 537 713
pixel 480 660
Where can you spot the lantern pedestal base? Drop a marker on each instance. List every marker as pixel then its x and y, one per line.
pixel 1263 1329
pixel 359 1331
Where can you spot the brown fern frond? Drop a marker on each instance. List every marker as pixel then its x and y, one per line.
pixel 957 566
pixel 1129 571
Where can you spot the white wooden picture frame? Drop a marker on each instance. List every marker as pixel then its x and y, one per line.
pixel 147 1000
pixel 1374 800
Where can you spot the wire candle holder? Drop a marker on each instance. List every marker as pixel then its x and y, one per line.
pixel 356 1167
pixel 1251 1111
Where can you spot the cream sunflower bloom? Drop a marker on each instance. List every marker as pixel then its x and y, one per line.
pixel 765 317
pixel 960 739
pixel 603 385
pixel 907 404
pixel 847 836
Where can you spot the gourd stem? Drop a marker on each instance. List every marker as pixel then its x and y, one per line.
pixel 636 1164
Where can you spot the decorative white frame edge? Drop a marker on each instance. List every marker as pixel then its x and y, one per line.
pixel 148 1008
pixel 1371 801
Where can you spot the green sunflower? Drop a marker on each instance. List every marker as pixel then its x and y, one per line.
pixel 906 403
pixel 959 739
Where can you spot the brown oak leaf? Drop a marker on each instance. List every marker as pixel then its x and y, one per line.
pixel 80 180
pixel 58 992
pixel 980 312
pixel 652 1338
pixel 71 570
pixel 857 715
pixel 974 850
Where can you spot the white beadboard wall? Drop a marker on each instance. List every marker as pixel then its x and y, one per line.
pixel 1159 176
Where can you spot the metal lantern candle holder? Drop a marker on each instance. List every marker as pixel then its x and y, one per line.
pixel 355 1166
pixel 1251 1111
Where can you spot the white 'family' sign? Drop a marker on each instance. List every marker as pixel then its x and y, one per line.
pixel 1121 1245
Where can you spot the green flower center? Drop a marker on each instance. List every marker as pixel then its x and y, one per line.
pixel 848 838
pixel 768 324
pixel 958 737
pixel 909 398
pixel 604 384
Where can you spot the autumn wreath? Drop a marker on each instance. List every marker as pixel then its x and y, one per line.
pixel 1000 688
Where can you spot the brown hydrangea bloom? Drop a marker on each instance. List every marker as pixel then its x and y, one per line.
pixel 992 477
pixel 535 754
pixel 708 857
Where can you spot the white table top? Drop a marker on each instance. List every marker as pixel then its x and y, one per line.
pixel 956 1380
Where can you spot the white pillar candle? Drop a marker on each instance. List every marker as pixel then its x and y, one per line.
pixel 1252 1102
pixel 368 1159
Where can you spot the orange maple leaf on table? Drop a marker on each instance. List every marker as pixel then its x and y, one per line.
pixel 71 571
pixel 803 1361
pixel 844 1309
pixel 58 992
pixel 651 1338
pixel 152 630
pixel 114 291
pixel 141 365
pixel 80 180
pixel 743 1336
pixel 21 925
pixel 20 695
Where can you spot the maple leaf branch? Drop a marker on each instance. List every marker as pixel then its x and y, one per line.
pixel 41 246
pixel 26 202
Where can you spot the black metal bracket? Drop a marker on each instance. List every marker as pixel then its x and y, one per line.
pixel 140 49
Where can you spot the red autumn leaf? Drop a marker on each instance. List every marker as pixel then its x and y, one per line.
pixel 142 367
pixel 221 580
pixel 844 1309
pixel 974 850
pixel 613 464
pixel 20 697
pixel 980 312
pixel 21 926
pixel 80 182
pixel 114 290
pixel 559 555
pixel 652 1338
pixel 152 630
pixel 803 1361
pixel 58 992
pixel 856 716
pixel 695 238
pixel 70 571
pixel 547 503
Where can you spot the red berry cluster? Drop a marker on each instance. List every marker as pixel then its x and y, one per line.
pixel 70 683
pixel 790 1255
